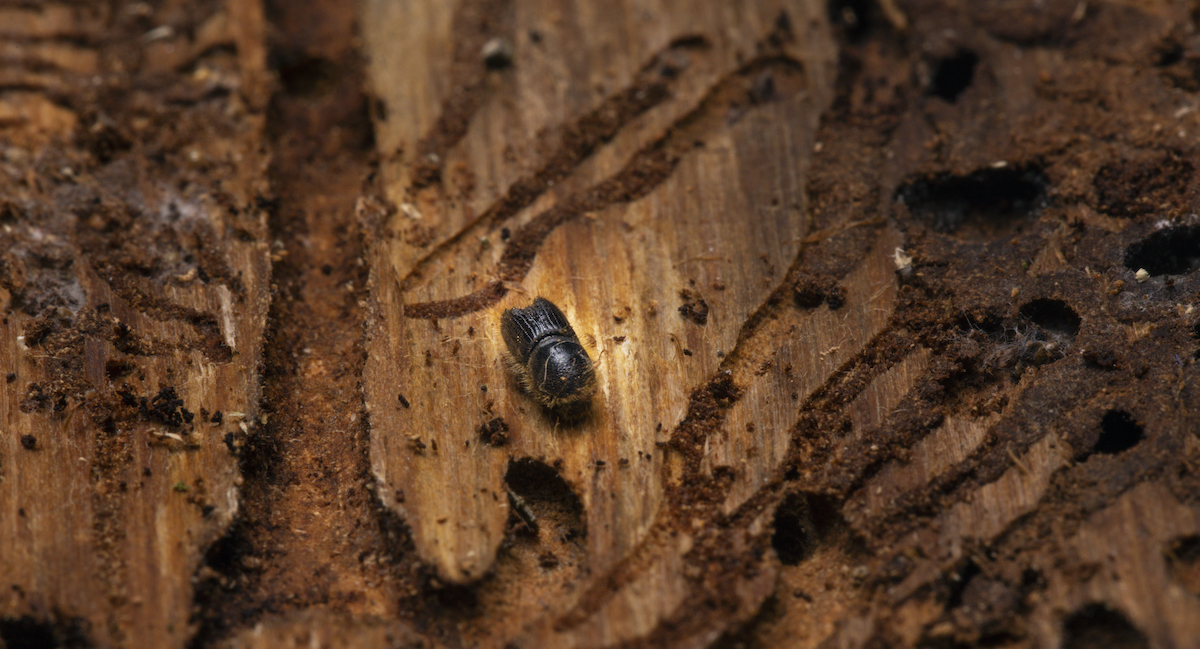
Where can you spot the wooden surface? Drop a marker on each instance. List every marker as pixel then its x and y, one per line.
pixel 843 402
pixel 723 219
pixel 616 270
pixel 156 277
pixel 481 175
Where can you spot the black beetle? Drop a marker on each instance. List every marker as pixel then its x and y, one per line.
pixel 547 357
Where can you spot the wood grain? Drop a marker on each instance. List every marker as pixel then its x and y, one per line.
pixel 616 271
pixel 700 194
pixel 120 283
pixel 875 367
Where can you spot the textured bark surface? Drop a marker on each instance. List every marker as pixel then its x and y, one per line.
pixel 134 280
pixel 893 309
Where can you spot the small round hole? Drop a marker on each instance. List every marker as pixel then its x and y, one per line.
pixel 953 74
pixel 1118 432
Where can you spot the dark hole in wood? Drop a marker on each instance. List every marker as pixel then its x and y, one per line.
pixel 987 203
pixel 463 598
pixel 28 633
pixel 1170 251
pixel 801 521
pixel 1169 54
pixel 1096 626
pixel 953 74
pixel 306 76
pixel 548 498
pixel 1118 432
pixel 1053 315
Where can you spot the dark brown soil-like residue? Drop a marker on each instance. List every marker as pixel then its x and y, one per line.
pixel 494 432
pixel 310 532
pixel 694 307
